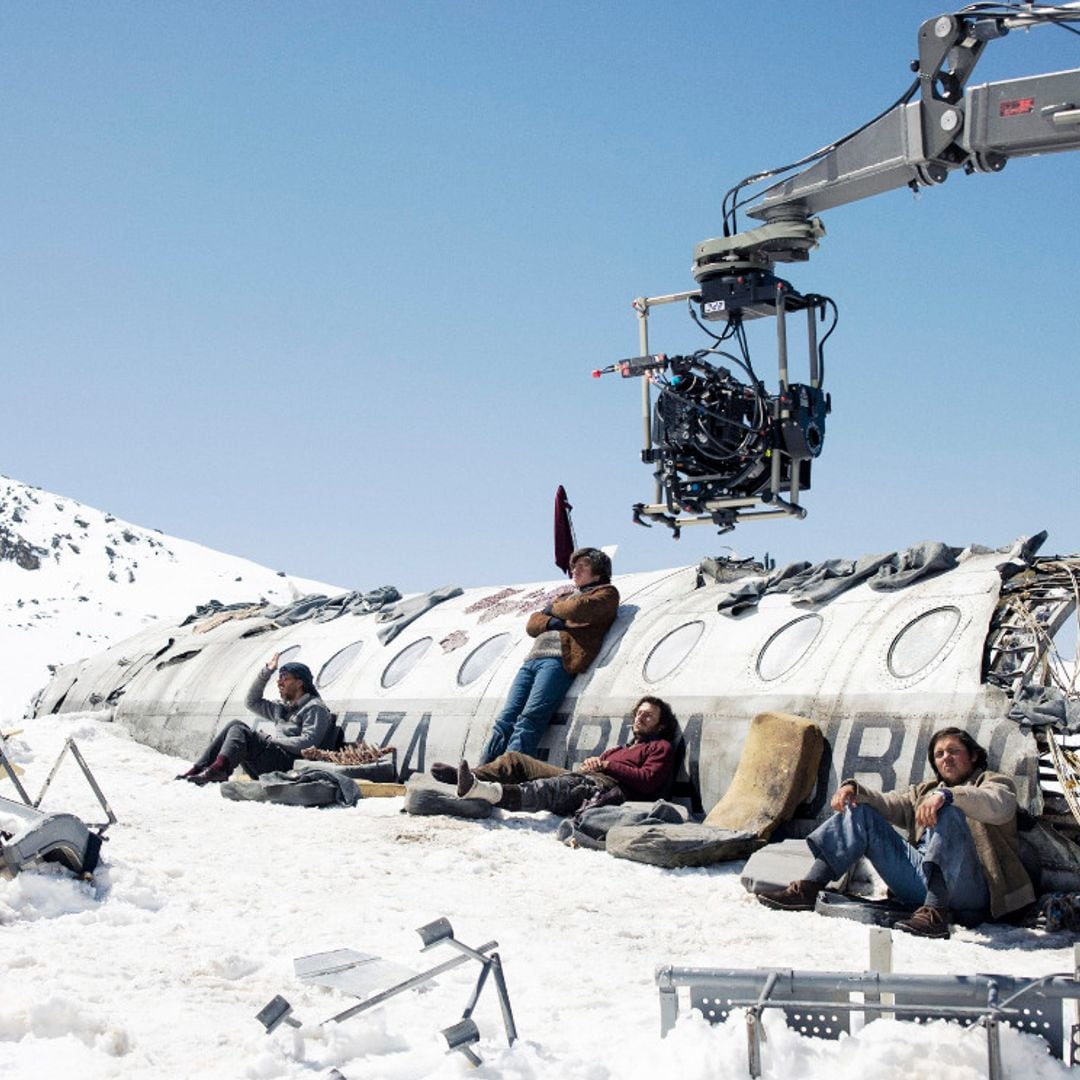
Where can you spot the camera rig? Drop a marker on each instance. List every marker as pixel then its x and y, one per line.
pixel 723 448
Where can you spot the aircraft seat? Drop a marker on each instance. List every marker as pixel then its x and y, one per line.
pixel 777 771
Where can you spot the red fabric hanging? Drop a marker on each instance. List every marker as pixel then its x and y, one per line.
pixel 564 531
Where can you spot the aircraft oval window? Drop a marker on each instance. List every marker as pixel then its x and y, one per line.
pixel 335 667
pixel 787 647
pixel 921 640
pixel 288 655
pixel 482 658
pixel 671 650
pixel 404 662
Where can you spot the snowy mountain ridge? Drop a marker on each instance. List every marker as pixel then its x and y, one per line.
pixel 74 579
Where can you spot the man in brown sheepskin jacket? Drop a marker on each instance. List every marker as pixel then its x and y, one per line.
pixel 568 632
pixel 961 858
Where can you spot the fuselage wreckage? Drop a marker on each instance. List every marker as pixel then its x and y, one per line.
pixel 878 670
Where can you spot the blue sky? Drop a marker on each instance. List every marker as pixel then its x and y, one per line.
pixel 322 284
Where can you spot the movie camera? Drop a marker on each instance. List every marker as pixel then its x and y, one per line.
pixel 723 447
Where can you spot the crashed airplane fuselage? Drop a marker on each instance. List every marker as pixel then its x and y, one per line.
pixel 878 671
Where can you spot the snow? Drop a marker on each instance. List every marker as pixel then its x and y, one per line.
pixel 99 579
pixel 158 965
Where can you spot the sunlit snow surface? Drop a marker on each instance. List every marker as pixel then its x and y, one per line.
pixel 158 966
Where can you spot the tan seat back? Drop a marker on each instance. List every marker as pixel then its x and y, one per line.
pixel 777 771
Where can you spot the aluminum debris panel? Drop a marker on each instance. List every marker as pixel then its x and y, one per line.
pixel 351 972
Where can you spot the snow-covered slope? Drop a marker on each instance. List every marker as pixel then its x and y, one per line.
pixel 74 579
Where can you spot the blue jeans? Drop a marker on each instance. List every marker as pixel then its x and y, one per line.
pixel 537 689
pixel 948 846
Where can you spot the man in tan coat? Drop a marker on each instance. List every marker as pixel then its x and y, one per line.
pixel 962 856
pixel 568 632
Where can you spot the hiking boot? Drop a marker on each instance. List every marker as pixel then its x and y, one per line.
pixel 927 921
pixel 211 775
pixel 798 896
pixel 445 774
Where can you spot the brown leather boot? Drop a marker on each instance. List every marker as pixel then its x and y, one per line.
pixel 215 774
pixel 798 896
pixel 927 922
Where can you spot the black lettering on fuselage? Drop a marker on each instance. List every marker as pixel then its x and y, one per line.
pixel 920 762
pixel 354 725
pixel 416 749
pixel 576 752
pixel 882 765
pixel 560 719
pixel 391 720
pixel 903 760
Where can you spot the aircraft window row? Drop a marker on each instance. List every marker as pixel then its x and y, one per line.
pixel 922 640
pixel 788 646
pixel 914 648
pixel 480 660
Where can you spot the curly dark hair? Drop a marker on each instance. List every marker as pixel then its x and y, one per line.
pixel 599 560
pixel 978 754
pixel 669 724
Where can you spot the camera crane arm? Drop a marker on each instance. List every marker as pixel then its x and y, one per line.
pixel 916 143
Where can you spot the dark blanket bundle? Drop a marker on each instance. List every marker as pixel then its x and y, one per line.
pixel 307 787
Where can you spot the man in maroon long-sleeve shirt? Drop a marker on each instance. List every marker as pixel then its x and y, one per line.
pixel 642 769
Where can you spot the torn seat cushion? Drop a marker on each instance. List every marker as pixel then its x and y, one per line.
pixel 424 795
pixel 679 845
pixel 777 771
